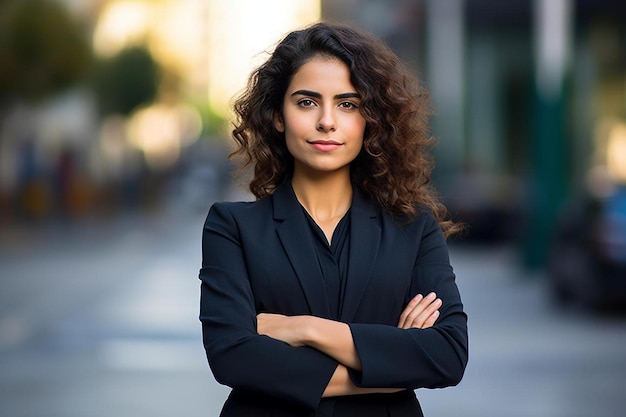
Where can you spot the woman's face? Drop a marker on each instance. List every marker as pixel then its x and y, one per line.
pixel 320 117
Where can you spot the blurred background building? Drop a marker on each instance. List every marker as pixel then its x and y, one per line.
pixel 111 105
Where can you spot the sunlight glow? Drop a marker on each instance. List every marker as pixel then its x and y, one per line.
pixel 160 131
pixel 120 24
pixel 616 153
pixel 240 32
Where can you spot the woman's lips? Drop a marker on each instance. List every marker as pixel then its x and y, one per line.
pixel 325 145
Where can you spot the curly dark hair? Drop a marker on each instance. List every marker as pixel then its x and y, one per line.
pixel 395 163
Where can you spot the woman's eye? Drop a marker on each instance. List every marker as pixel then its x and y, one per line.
pixel 306 102
pixel 348 105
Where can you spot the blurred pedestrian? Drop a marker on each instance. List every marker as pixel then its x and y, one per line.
pixel 332 294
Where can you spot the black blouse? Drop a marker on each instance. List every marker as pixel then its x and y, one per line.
pixel 332 259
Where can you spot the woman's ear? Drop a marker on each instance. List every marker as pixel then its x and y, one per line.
pixel 278 122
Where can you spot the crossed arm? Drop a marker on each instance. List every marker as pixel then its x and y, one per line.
pixel 334 338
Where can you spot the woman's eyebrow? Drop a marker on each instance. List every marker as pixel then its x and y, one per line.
pixel 318 95
pixel 306 93
pixel 348 95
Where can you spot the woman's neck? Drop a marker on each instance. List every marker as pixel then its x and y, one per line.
pixel 326 197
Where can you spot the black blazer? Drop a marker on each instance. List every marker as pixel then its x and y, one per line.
pixel 256 260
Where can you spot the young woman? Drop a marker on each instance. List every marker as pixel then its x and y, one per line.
pixel 331 294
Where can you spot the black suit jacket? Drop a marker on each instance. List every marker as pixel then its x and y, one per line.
pixel 256 259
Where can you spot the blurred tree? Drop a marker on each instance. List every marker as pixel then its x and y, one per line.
pixel 42 49
pixel 125 81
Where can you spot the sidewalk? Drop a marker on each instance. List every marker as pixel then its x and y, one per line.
pixel 101 320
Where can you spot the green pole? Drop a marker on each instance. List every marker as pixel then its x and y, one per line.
pixel 548 158
pixel 548 177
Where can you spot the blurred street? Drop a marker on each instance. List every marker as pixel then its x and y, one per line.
pixel 100 319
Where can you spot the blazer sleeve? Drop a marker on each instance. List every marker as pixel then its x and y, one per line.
pixel 238 356
pixel 418 358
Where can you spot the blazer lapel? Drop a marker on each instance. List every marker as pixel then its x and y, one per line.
pixel 301 252
pixel 364 242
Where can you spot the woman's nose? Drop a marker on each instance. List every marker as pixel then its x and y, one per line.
pixel 326 123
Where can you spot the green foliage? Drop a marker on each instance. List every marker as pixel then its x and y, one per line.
pixel 213 124
pixel 42 49
pixel 126 81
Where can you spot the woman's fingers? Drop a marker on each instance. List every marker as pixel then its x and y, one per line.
pixel 408 309
pixel 430 321
pixel 421 312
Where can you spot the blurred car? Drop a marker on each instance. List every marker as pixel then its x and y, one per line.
pixel 587 260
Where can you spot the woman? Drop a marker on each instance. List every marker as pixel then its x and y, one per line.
pixel 332 294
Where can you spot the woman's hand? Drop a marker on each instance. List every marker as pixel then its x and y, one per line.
pixel 421 312
pixel 289 329
pixel 334 338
